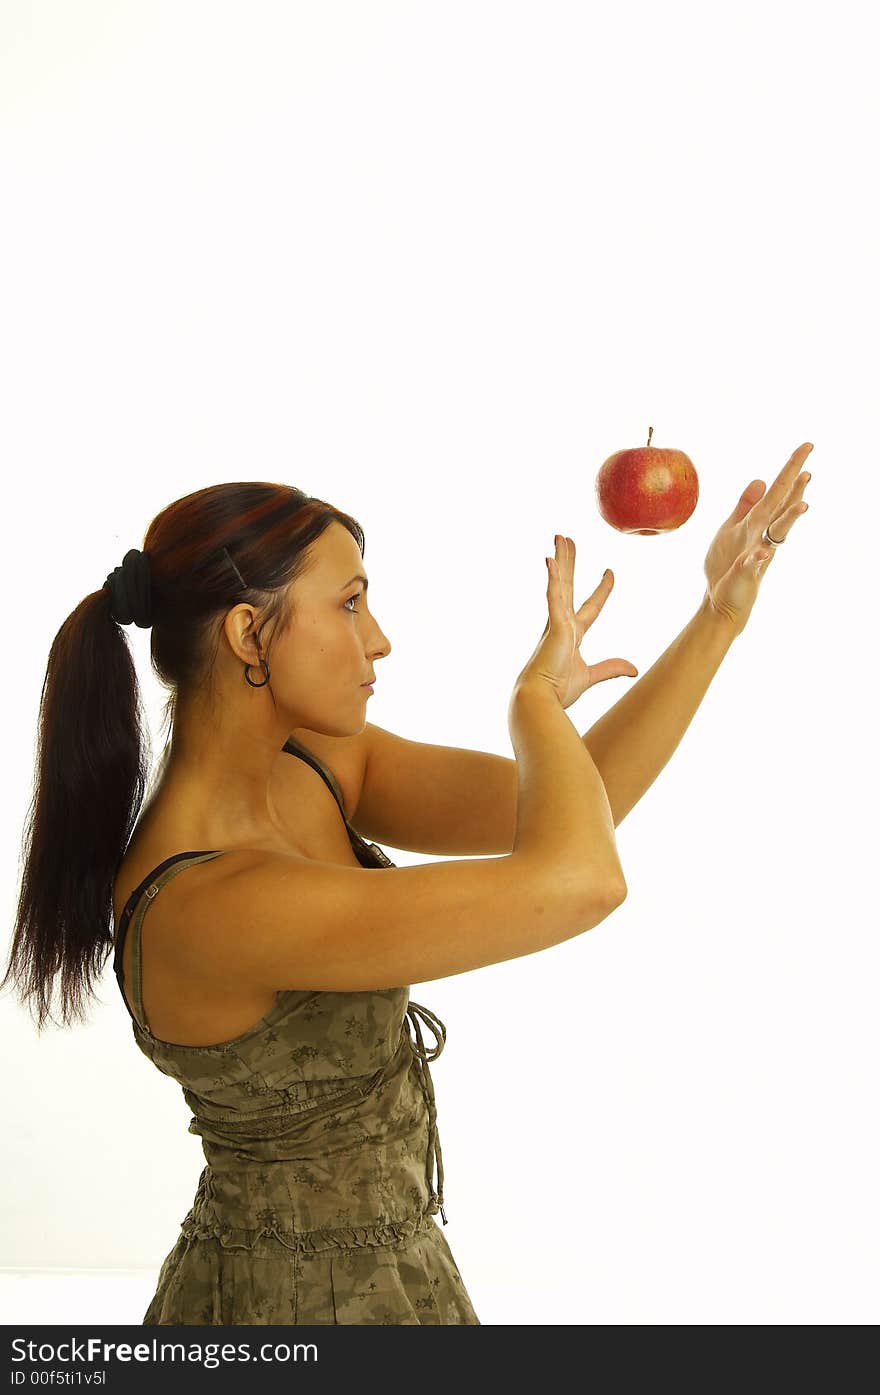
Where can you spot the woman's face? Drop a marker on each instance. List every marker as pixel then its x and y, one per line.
pixel 331 645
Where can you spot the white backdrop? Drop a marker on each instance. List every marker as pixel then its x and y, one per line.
pixel 434 263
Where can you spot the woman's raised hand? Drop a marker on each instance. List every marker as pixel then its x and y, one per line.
pixel 557 661
pixel 738 557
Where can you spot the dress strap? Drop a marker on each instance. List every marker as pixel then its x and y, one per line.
pixel 293 748
pixel 133 915
pixel 422 1057
pixel 359 845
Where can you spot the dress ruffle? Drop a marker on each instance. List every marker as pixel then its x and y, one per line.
pixel 330 1277
pixel 310 1241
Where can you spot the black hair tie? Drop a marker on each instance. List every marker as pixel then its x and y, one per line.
pixel 131 599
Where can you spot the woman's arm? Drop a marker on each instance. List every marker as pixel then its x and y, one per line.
pixel 634 739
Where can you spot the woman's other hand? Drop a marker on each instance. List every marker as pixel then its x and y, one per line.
pixel 557 657
pixel 738 558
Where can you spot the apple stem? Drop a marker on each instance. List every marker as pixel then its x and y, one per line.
pixel 650 434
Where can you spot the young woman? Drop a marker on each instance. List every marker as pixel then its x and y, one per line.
pixel 264 967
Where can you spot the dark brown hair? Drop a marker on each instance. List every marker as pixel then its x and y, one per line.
pixel 93 755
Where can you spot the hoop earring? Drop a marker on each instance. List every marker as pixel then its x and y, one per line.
pixel 248 678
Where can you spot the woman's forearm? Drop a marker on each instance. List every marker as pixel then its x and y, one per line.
pixel 634 739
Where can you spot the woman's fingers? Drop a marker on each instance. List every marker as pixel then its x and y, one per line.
pixel 565 551
pixel 565 558
pixel 780 526
pixel 776 495
pixel 747 501
pixel 594 603
pixel 612 668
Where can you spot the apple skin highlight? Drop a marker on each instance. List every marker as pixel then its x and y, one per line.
pixel 648 489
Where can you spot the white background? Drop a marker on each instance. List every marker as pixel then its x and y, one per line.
pixel 434 263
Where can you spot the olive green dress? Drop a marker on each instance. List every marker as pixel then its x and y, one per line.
pixel 319 1131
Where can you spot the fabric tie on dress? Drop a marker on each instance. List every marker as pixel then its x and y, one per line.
pixel 422 1057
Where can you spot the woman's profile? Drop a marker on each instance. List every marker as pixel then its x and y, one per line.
pixel 263 948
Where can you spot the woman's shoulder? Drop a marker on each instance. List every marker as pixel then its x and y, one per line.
pixel 146 855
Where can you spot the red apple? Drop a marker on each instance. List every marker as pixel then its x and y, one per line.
pixel 649 489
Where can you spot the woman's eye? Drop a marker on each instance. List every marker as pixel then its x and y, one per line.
pixel 354 598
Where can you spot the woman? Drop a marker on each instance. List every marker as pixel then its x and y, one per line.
pixel 271 980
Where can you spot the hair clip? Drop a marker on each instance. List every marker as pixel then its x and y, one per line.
pixel 235 569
